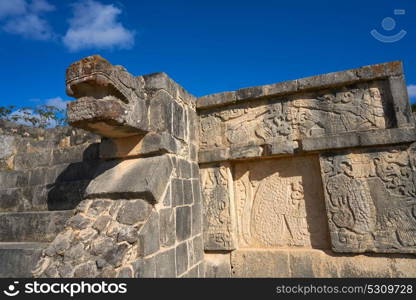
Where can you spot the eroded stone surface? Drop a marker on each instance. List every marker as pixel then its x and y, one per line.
pixel 217 191
pixel 92 245
pixel 359 107
pixel 112 179
pixel 263 216
pixel 110 100
pixel 371 199
pixel 280 203
pixel 317 263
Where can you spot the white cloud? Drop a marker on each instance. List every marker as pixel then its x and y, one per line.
pixel 40 6
pixel 25 18
pixel 57 102
pixel 95 26
pixel 411 89
pixel 12 8
pixel 29 26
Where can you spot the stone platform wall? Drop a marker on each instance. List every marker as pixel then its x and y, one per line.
pixel 44 169
pixel 141 214
pixel 310 178
pixel 43 174
pixel 307 178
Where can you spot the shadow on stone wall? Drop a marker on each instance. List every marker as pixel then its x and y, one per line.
pixel 70 184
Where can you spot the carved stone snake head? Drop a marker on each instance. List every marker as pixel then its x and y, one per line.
pixel 110 101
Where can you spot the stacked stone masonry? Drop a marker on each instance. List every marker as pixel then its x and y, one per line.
pixel 307 178
pixel 142 213
pixel 43 173
pixel 310 178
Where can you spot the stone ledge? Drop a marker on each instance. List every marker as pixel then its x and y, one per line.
pixel 139 146
pixel 40 226
pixel 318 263
pixel 141 178
pixel 17 259
pixel 360 139
pixel 334 79
pixel 340 141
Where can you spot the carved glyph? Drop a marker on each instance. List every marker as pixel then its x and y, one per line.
pixel 279 203
pixel 356 108
pixel 217 191
pixel 371 199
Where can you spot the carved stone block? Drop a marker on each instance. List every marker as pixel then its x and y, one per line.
pixel 327 112
pixel 217 193
pixel 280 203
pixel 371 199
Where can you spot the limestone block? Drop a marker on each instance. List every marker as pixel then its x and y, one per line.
pixel 167 227
pixel 133 211
pixel 217 265
pixel 371 199
pixel 281 121
pixel 165 264
pixel 137 145
pixel 16 259
pixel 161 81
pixel 144 268
pixel 7 150
pixel 196 218
pixel 179 121
pixel 360 139
pixel 260 263
pixel 317 263
pixel 330 80
pixel 188 197
pixel 177 192
pixel 40 226
pixel 219 222
pixel 183 223
pixel 280 203
pixel 181 258
pixel 185 170
pixel 160 112
pixel 217 99
pixel 135 178
pixel 149 236
pixel 401 106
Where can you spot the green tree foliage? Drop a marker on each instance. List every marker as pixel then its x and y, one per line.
pixel 414 107
pixel 41 116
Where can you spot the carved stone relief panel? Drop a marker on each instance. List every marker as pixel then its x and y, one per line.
pixel 355 108
pixel 371 199
pixel 246 125
pixel 217 191
pixel 280 203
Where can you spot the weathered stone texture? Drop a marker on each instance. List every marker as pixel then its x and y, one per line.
pixel 324 81
pixel 94 244
pixel 370 199
pixel 280 203
pixel 110 182
pixel 344 179
pixel 141 213
pixel 217 265
pixel 217 191
pixel 328 112
pixel 317 263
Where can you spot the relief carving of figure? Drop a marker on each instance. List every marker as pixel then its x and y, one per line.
pixel 373 210
pixel 215 191
pixel 279 216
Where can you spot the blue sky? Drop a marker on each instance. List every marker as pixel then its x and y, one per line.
pixel 207 46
